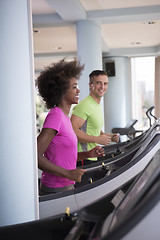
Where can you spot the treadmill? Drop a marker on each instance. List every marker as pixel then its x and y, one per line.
pixel 129 215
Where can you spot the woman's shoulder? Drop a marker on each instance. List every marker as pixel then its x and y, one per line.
pixel 54 113
pixel 53 118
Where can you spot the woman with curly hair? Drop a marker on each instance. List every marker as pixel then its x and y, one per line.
pixel 57 142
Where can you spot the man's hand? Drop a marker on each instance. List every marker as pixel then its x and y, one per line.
pixel 104 139
pixel 115 137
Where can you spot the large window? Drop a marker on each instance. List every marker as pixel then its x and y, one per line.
pixel 143 75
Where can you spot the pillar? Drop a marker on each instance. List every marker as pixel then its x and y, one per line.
pixel 18 164
pixel 89 51
pixel 117 100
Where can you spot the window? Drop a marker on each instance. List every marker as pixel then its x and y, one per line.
pixel 143 76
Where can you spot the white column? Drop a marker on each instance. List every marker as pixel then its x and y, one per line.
pixel 117 100
pixel 18 164
pixel 89 51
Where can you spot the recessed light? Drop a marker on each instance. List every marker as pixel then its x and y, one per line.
pixel 136 43
pixel 58 48
pixel 36 31
pixel 149 23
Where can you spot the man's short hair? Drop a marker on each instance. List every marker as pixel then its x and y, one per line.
pixel 96 73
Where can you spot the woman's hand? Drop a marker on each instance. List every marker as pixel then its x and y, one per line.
pixel 93 153
pixel 75 174
pixel 96 152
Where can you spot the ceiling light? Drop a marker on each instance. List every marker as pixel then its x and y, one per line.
pixel 136 43
pixel 149 23
pixel 36 31
pixel 58 48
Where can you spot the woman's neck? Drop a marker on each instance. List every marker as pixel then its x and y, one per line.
pixel 65 108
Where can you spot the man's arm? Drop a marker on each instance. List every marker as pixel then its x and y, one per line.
pixel 77 123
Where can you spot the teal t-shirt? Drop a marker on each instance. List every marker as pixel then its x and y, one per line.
pixel 89 110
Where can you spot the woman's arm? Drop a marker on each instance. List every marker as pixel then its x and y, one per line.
pixel 94 152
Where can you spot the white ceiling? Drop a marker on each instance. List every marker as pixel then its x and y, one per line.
pixel 127 27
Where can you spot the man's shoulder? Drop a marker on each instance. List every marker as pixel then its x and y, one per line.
pixel 85 99
pixel 83 103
